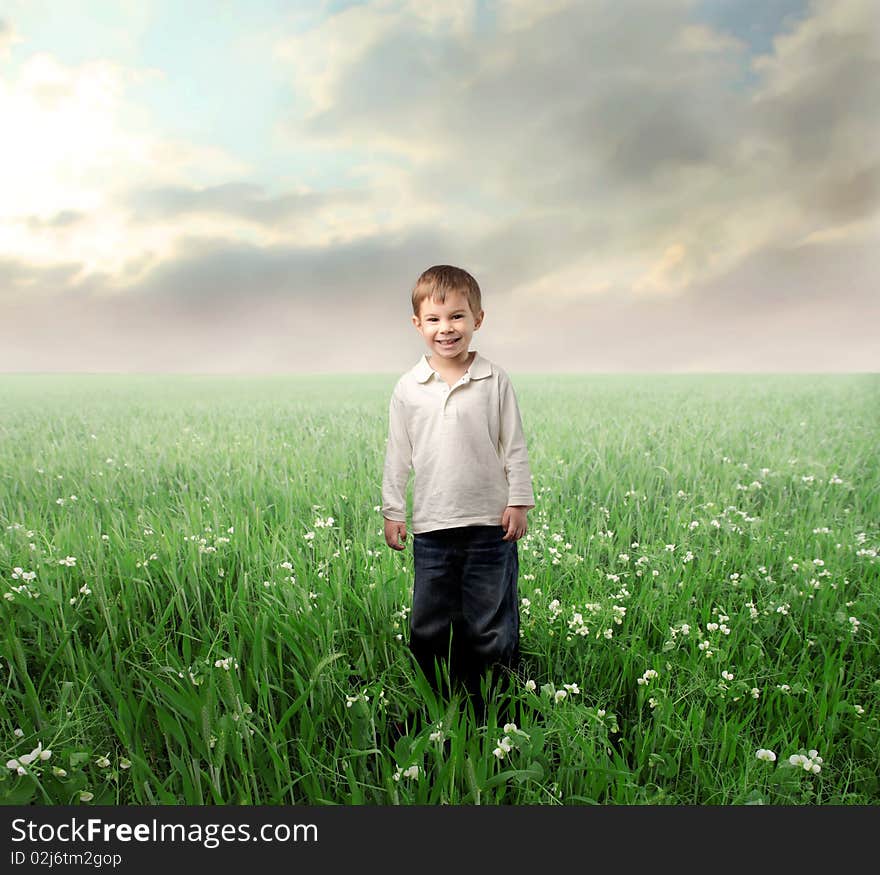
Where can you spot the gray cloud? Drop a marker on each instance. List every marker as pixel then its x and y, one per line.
pixel 224 273
pixel 19 279
pixel 240 200
pixel 349 311
pixel 603 110
pixel 61 219
pixel 836 93
pixel 593 135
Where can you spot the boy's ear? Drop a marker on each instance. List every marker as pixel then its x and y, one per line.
pixel 416 321
pixel 479 320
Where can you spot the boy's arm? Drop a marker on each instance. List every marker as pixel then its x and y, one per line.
pixel 513 443
pixel 398 462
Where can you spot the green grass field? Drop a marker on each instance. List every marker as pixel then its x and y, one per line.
pixel 199 606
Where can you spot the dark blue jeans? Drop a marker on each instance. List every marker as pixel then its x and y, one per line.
pixel 465 609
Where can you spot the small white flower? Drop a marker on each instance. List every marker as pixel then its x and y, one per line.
pixel 728 676
pixel 18 733
pixel 85 796
pixel 560 695
pixel 102 762
pixel 28 758
pixel 531 685
pixel 766 755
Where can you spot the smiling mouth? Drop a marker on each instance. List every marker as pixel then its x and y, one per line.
pixel 449 342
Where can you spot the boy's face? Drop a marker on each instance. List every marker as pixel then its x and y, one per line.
pixel 448 327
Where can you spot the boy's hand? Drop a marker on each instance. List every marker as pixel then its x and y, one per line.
pixel 393 528
pixel 514 521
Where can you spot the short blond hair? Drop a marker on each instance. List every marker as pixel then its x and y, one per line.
pixel 437 281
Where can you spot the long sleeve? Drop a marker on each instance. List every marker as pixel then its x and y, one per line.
pixel 513 444
pixel 398 463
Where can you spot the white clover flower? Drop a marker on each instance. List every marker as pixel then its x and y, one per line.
pixel 572 688
pixel 509 727
pixel 18 733
pixel 600 712
pixel 670 548
pixel 124 763
pixel 531 686
pixel 412 772
pixel 559 695
pixel 86 796
pixel 859 710
pixel 652 702
pixel 755 692
pixel 499 752
pixel 436 735
pixel 766 755
pixel 648 675
pixel 226 664
pixel 102 762
pixel 727 675
pixel 27 758
pixel 59 772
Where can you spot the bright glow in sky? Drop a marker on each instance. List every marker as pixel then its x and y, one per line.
pixel 648 185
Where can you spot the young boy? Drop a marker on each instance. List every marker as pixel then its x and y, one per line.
pixel 454 420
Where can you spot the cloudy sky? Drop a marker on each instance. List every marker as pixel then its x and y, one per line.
pixel 254 187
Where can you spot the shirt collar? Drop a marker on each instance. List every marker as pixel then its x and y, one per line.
pixel 480 367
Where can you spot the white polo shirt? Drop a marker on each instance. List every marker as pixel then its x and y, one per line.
pixel 465 445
